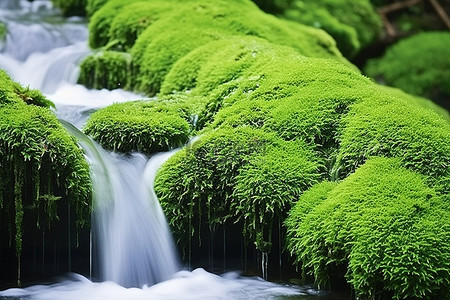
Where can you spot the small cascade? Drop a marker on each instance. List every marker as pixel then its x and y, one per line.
pixel 135 244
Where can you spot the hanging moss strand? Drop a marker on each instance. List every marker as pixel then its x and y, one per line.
pixel 18 186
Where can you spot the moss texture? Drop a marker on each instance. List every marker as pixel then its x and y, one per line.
pixel 188 25
pixel 105 69
pixel 144 126
pixel 41 166
pixel 209 181
pixel 393 127
pixel 383 227
pixel 419 65
pixel 353 24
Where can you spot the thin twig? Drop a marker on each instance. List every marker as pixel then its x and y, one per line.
pixel 441 12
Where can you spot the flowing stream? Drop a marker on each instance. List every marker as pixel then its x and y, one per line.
pixel 137 256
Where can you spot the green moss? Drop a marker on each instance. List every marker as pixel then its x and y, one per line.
pixel 419 65
pixel 353 24
pixel 199 23
pixel 93 5
pixel 41 166
pixel 417 100
pixel 393 127
pixel 106 69
pixel 3 31
pixel 133 19
pixel 71 7
pixel 208 182
pixel 144 126
pixel 100 21
pixel 383 227
pixel 249 81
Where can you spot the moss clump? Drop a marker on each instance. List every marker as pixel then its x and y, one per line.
pixel 144 126
pixel 103 15
pixel 383 227
pixel 208 182
pixel 188 25
pixel 71 7
pixel 93 5
pixel 419 65
pixel 393 127
pixel 106 69
pixel 251 82
pixel 133 19
pixel 41 166
pixel 353 24
pixel 198 23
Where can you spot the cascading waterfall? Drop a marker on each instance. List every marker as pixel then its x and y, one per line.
pixel 136 246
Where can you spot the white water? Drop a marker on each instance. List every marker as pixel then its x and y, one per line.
pixel 136 246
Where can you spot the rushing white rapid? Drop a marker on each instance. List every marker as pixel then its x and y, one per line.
pixel 136 254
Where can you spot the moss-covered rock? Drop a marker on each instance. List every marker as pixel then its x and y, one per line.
pixel 41 167
pixel 233 174
pixel 393 127
pixel 105 69
pixel 353 24
pixel 93 5
pixel 188 25
pixel 144 126
pixel 251 82
pixel 198 23
pixel 383 227
pixel 419 65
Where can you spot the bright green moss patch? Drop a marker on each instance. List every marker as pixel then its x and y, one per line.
pixel 93 5
pixel 144 126
pixel 353 24
pixel 106 69
pixel 208 182
pixel 198 23
pixel 393 127
pixel 133 19
pixel 149 27
pixel 419 65
pixel 420 101
pixel 3 31
pixel 41 167
pixel 383 227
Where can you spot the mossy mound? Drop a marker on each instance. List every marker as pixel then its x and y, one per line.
pixel 383 227
pixel 41 167
pixel 93 5
pixel 353 24
pixel 188 25
pixel 419 65
pixel 144 126
pixel 234 174
pixel 198 23
pixel 105 69
pixel 71 7
pixel 251 82
pixel 389 126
